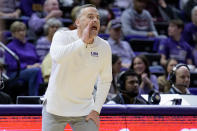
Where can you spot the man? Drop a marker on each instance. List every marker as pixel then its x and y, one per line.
pixel 118 46
pixel 190 33
pixel 174 46
pixel 80 58
pixel 180 79
pixel 128 84
pixel 138 21
pixel 190 30
pixel 50 10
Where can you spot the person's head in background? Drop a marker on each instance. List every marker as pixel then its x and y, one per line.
pixel 140 65
pixel 129 83
pixel 139 5
pixel 51 26
pixel 18 30
pixel 194 15
pixel 51 5
pixel 114 27
pixel 180 77
pixel 169 66
pixel 175 29
pixel 116 64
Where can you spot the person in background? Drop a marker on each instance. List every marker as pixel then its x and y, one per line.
pixel 175 46
pixel 38 19
pixel 79 59
pixel 118 46
pixel 190 33
pixel 163 82
pixel 43 43
pixel 190 29
pixel 129 90
pixel 138 21
pixel 9 9
pixel 30 71
pixel 116 69
pixel 180 79
pixel 148 81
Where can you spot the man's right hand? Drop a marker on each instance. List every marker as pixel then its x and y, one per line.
pixel 86 34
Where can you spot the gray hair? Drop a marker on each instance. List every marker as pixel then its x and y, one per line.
pixel 79 11
pixel 194 9
pixel 51 22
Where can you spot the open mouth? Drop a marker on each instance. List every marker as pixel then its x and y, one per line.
pixel 94 27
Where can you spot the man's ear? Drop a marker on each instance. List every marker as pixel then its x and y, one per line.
pixel 77 22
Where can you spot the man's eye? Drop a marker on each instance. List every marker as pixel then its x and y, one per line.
pixel 91 17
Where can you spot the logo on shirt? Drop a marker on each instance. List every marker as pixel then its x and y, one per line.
pixel 94 54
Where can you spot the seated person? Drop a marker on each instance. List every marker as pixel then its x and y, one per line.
pixel 163 82
pixel 46 67
pixel 116 68
pixel 30 71
pixel 44 43
pixel 38 19
pixel 138 21
pixel 28 7
pixel 190 29
pixel 118 46
pixel 175 46
pixel 129 90
pixel 9 9
pixel 148 81
pixel 180 79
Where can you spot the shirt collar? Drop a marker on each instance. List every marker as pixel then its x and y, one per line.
pixel 177 90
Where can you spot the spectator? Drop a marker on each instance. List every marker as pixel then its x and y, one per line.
pixel 148 81
pixel 44 42
pixel 187 10
pixel 9 9
pixel 28 7
pixel 118 46
pixel 175 46
pixel 190 29
pixel 138 21
pixel 47 64
pixel 161 11
pixel 38 19
pixel 180 79
pixel 163 82
pixel 4 97
pixel 116 68
pixel 29 62
pixel 129 90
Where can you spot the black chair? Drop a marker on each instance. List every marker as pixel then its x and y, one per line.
pixel 193 80
pixel 28 100
pixel 153 58
pixel 162 28
pixel 142 45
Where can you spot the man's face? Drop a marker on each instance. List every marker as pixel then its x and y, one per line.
pixel 139 5
pixel 52 5
pixel 131 84
pixel 182 77
pixel 88 15
pixel 115 33
pixel 173 30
